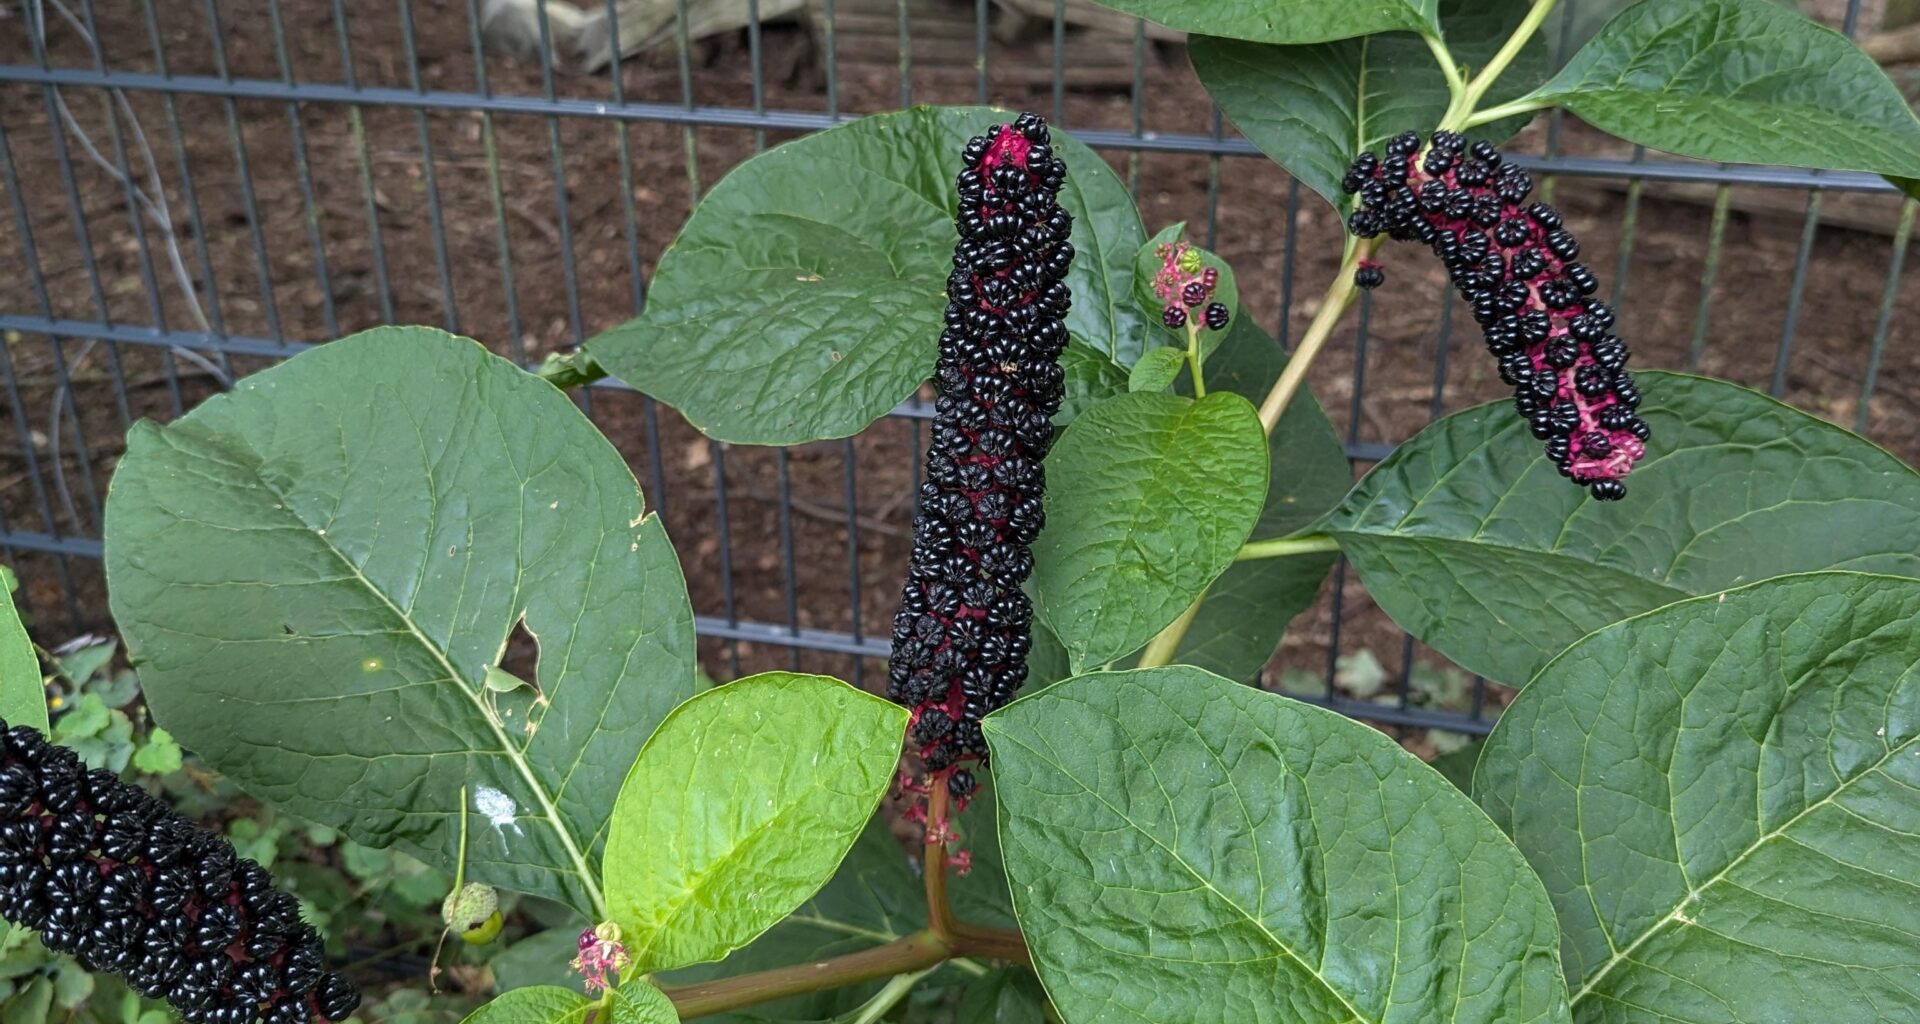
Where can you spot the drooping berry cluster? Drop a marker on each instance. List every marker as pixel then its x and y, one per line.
pixel 1516 264
pixel 112 875
pixel 1185 283
pixel 961 637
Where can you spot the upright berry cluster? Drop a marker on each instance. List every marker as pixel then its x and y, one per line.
pixel 961 637
pixel 1185 283
pixel 112 875
pixel 1516 265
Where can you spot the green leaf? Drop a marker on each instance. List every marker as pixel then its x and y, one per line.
pixel 1091 378
pixel 740 808
pixel 30 1005
pixel 635 1002
pixel 803 299
pixel 1146 267
pixel 539 959
pixel 1246 611
pixel 159 755
pixel 1456 766
pixel 1469 539
pixel 315 572
pixel 1011 996
pixel 1184 847
pixel 874 898
pixel 1739 81
pixel 1156 369
pixel 1285 21
pixel 1722 798
pixel 80 666
pixel 1314 108
pixel 23 695
pixel 72 985
pixel 1149 498
pixel 87 719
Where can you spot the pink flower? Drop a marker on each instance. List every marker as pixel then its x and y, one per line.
pixel 601 954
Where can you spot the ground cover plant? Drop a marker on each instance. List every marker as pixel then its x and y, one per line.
pixel 1703 806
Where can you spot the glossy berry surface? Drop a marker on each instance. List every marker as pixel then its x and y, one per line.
pixel 1515 264
pixel 1217 316
pixel 961 637
pixel 112 875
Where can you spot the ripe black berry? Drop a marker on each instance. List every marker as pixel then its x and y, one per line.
pixel 1515 266
pixel 1217 316
pixel 961 638
pixel 106 872
pixel 1369 276
pixel 1194 293
pixel 1174 317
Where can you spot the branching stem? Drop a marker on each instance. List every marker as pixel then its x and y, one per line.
pixel 920 951
pixel 1461 115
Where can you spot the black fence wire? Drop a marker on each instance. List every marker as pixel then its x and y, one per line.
pixel 198 189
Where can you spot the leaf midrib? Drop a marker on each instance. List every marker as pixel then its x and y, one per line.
pixel 250 461
pixel 1694 894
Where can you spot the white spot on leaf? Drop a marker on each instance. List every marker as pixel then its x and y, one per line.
pixel 497 806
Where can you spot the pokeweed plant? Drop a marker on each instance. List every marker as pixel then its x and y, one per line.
pixel 1702 807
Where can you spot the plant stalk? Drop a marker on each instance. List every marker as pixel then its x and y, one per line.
pixel 1460 115
pixel 1332 307
pixel 920 951
pixel 933 864
pixel 1449 69
pixel 1194 360
pixel 1284 547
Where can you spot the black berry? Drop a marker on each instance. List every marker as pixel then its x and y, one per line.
pixel 1217 316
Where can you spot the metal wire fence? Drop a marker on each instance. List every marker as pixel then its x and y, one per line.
pixel 197 190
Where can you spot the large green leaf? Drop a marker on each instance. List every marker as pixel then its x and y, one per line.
pixel 23 695
pixel 1185 848
pixel 635 1002
pixel 1091 378
pixel 1723 799
pixel 1246 611
pixel 1739 81
pixel 315 572
pixel 1468 537
pixel 873 899
pixel 1285 21
pixel 803 298
pixel 740 808
pixel 1313 108
pixel 1149 497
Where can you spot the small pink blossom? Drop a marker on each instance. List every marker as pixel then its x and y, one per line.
pixel 601 954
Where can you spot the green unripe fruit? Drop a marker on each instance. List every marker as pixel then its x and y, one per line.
pixel 473 912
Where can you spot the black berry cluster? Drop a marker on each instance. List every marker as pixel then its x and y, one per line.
pixel 961 637
pixel 1516 264
pixel 112 875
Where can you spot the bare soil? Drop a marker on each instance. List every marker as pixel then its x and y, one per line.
pixel 291 247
